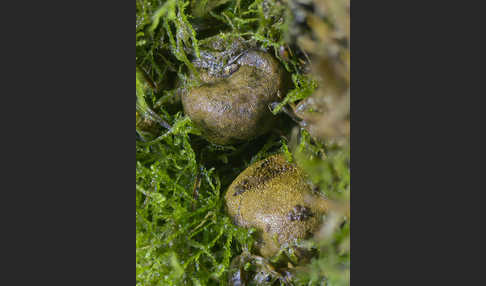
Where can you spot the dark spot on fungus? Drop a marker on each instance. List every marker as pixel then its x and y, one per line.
pixel 239 190
pixel 299 213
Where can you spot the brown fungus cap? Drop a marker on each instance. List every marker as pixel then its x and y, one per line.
pixel 273 196
pixel 232 106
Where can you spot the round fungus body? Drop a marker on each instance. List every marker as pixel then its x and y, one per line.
pixel 273 196
pixel 238 84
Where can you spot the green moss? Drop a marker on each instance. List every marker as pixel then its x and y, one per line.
pixel 304 86
pixel 183 233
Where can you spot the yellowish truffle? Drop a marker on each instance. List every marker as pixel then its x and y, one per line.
pixel 273 196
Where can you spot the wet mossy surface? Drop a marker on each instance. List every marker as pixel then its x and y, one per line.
pixel 185 234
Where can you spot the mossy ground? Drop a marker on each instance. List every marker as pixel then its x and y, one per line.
pixel 183 234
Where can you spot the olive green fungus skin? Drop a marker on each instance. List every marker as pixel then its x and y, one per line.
pixel 231 104
pixel 273 196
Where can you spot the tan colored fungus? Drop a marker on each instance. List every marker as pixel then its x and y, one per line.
pixel 273 196
pixel 232 103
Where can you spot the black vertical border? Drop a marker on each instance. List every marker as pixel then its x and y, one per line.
pixel 416 155
pixel 68 179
